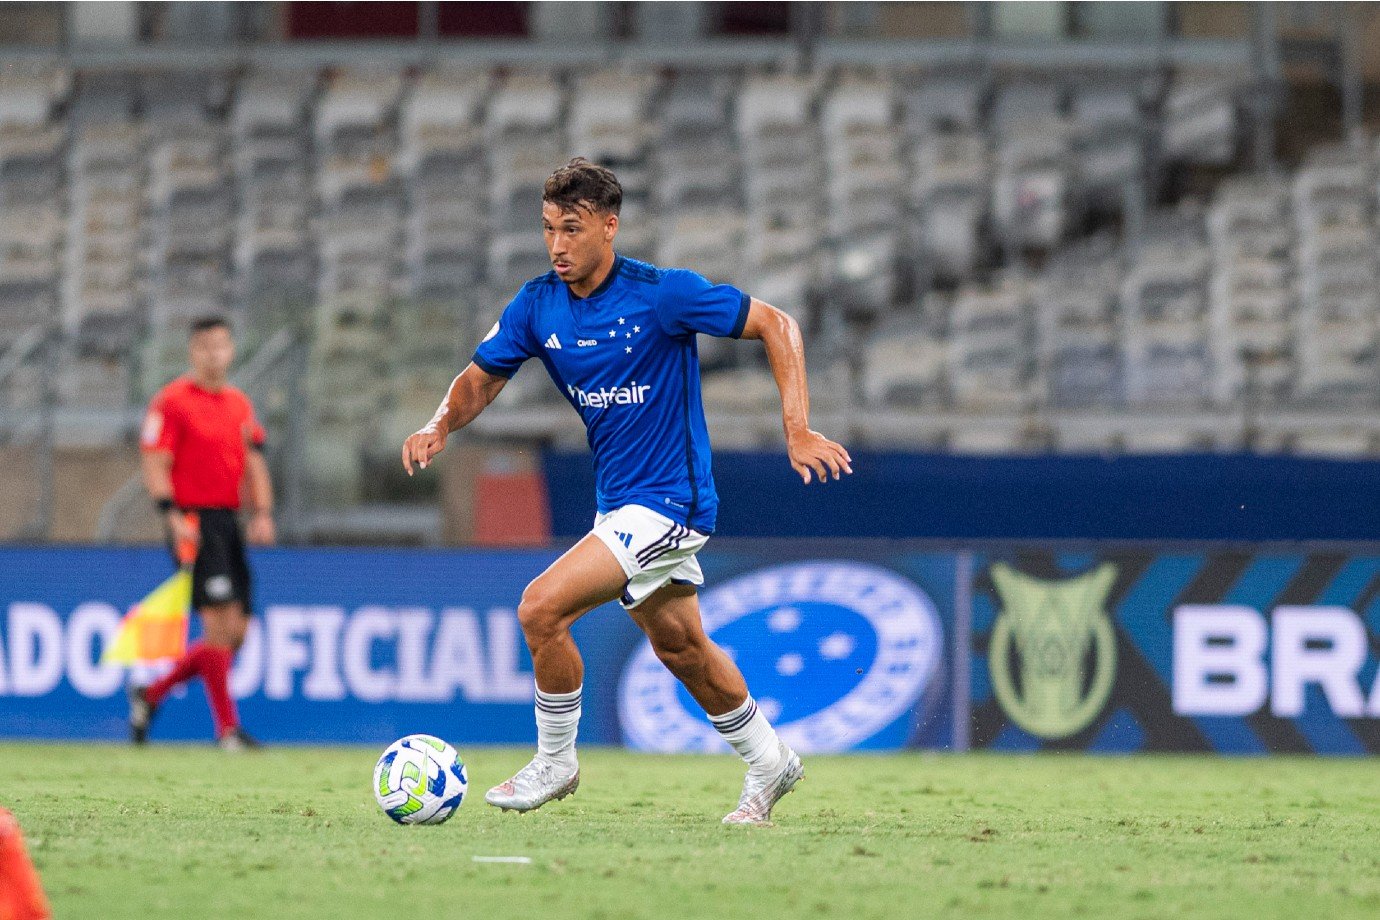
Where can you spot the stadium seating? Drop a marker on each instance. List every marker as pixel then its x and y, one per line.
pixel 274 255
pixel 926 226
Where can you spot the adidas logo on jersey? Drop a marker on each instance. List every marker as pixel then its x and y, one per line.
pixel 624 538
pixel 553 342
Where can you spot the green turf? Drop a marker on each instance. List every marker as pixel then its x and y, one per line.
pixel 189 832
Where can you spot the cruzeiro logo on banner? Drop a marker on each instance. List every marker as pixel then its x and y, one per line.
pixel 1040 647
pixel 835 652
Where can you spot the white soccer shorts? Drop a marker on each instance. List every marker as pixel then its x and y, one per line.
pixel 652 549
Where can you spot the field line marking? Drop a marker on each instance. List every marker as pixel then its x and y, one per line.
pixel 516 860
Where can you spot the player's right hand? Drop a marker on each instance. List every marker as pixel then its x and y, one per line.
pixel 420 447
pixel 811 451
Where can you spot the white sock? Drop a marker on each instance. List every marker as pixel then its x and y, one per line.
pixel 558 719
pixel 750 734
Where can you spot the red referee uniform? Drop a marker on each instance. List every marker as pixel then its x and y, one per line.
pixel 209 435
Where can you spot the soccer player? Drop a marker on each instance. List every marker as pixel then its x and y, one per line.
pixel 617 337
pixel 200 442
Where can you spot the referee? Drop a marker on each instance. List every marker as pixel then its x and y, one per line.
pixel 200 442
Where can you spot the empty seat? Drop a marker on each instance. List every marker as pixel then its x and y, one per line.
pixel 1026 101
pixel 355 108
pixel 1031 184
pixel 524 104
pixel 1109 130
pixel 991 356
pixel 941 101
pixel 1199 115
pixel 29 92
pixel 904 366
pixel 272 102
pixel 607 120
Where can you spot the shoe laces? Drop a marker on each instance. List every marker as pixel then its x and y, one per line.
pixel 536 773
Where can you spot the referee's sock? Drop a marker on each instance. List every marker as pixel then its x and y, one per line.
pixel 215 672
pixel 213 663
pixel 186 667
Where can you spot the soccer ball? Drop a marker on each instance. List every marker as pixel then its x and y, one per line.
pixel 420 780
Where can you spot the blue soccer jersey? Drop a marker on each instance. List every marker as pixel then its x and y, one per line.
pixel 625 358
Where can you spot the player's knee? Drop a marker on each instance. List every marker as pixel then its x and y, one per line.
pixel 679 652
pixel 238 631
pixel 538 614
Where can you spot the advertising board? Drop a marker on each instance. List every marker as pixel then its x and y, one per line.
pixel 845 650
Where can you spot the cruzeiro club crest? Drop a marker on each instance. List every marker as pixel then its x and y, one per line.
pixel 836 653
pixel 1046 630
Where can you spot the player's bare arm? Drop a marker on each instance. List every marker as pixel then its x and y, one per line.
pixel 157 470
pixel 259 487
pixel 808 449
pixel 468 396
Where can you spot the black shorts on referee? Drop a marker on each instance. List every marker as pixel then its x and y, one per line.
pixel 221 572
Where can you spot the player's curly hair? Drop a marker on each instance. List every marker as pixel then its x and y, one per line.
pixel 582 185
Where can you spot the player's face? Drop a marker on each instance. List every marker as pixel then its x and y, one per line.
pixel 212 352
pixel 577 241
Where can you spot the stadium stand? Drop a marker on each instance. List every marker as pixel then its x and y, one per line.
pixel 935 229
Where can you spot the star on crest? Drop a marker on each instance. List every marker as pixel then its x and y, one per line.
pixel 612 333
pixel 628 349
pixel 621 321
pixel 637 328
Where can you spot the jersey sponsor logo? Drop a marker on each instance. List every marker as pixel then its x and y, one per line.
pixel 835 653
pixel 586 343
pixel 1041 645
pixel 602 398
pixel 553 343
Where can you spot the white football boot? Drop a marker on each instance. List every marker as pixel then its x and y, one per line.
pixel 539 782
pixel 761 791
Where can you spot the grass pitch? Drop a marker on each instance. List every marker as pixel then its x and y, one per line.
pixel 190 832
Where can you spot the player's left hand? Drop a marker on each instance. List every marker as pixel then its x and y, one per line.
pixel 261 531
pixel 812 451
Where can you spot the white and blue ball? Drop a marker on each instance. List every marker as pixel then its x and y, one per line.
pixel 420 779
